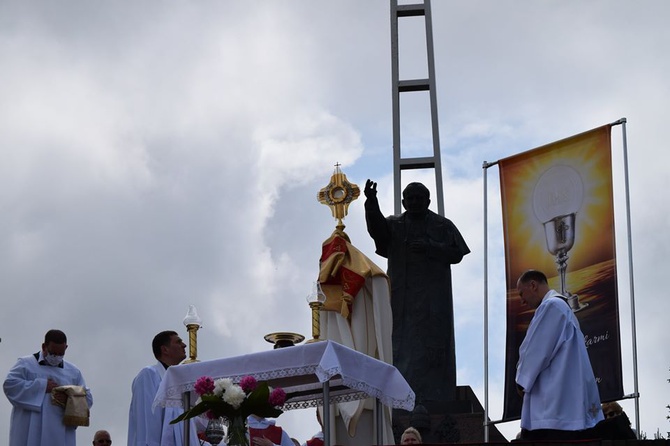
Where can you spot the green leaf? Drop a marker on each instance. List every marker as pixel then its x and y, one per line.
pixel 257 403
pixel 208 402
pixel 196 410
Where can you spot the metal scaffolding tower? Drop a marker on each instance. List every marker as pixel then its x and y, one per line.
pixel 409 86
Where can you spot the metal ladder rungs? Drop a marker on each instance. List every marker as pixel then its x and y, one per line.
pixel 413 85
pixel 411 10
pixel 400 163
pixel 425 162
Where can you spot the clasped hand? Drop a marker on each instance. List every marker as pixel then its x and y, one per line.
pixel 59 396
pixel 418 245
pixel 51 384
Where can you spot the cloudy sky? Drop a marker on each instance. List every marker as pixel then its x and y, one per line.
pixel 158 154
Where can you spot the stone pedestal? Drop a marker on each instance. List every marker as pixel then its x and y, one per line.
pixel 458 421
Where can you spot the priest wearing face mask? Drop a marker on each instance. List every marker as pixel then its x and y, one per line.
pixel 36 419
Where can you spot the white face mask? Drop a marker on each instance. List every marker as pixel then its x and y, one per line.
pixel 53 360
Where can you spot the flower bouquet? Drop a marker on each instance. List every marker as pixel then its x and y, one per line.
pixel 223 398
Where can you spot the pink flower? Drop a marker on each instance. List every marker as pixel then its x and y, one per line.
pixel 277 397
pixel 204 385
pixel 248 384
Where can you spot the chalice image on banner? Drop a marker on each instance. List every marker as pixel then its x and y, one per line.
pixel 557 198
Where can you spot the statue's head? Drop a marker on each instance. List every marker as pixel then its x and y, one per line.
pixel 416 198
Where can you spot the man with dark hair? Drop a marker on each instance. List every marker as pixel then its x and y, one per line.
pixel 420 246
pixel 36 420
pixel 55 336
pixel 554 374
pixel 164 339
pixel 151 427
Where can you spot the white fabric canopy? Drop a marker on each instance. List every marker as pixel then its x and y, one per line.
pixel 301 371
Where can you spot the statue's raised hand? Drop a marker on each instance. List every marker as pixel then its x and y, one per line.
pixel 370 189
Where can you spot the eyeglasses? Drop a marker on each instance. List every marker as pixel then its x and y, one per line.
pixel 103 441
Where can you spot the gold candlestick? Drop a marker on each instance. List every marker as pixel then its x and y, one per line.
pixel 192 322
pixel 316 299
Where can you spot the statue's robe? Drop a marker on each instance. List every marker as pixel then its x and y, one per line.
pixel 421 297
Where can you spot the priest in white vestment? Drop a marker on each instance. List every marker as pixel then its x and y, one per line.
pixel 358 315
pixel 151 427
pixel 36 420
pixel 554 374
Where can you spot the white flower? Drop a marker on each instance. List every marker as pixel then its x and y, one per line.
pixel 222 385
pixel 234 396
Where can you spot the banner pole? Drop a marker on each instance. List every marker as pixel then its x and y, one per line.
pixel 486 310
pixel 636 393
pixel 485 166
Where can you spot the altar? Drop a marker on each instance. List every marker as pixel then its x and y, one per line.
pixel 309 374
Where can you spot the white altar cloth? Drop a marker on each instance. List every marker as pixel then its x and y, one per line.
pixel 301 371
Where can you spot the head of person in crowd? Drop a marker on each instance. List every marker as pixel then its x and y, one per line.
pixel 532 286
pixel 168 348
pixel 54 346
pixel 611 409
pixel 410 436
pixel 102 437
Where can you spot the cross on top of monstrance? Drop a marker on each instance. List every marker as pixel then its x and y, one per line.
pixel 338 195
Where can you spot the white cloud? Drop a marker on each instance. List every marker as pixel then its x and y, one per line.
pixel 159 155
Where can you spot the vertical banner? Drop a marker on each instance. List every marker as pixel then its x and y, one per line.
pixel 558 217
